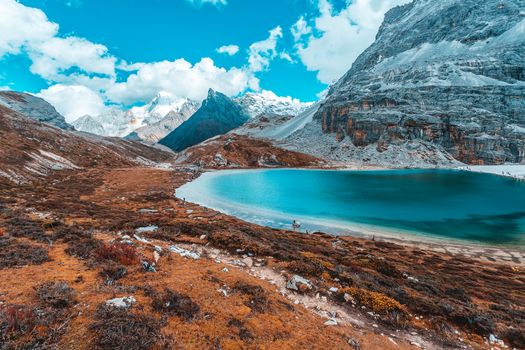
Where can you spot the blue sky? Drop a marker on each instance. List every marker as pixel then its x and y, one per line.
pixel 104 52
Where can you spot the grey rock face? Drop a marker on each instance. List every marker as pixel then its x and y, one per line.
pixel 88 124
pixel 450 72
pixel 155 132
pixel 33 107
pixel 217 115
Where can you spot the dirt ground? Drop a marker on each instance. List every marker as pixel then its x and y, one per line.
pixel 81 227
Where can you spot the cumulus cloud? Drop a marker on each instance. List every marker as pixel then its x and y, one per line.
pixel 85 73
pixel 230 50
pixel 73 101
pixel 22 26
pixel 335 38
pixel 26 29
pixel 183 79
pixel 261 53
pixel 54 57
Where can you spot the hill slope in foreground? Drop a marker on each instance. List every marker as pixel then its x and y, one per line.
pixel 84 223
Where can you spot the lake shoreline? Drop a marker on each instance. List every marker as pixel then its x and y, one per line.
pixel 509 253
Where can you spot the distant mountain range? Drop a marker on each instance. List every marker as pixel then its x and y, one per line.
pixel 148 123
pixel 166 112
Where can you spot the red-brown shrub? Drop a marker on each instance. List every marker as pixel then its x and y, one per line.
pixel 15 319
pixel 120 252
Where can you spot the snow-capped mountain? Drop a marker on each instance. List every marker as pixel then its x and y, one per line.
pixel 447 74
pixel 150 122
pixel 267 102
pixel 87 122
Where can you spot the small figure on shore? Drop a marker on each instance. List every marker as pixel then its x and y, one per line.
pixel 296 225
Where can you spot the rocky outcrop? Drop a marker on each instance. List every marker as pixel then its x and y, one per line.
pixel 449 73
pixel 88 124
pixel 31 150
pixel 33 107
pixel 238 151
pixel 217 115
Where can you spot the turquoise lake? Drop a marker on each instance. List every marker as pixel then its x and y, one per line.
pixel 438 203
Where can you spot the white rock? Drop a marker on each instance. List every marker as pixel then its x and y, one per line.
pixel 184 253
pixel 124 302
pixel 331 322
pixel 296 280
pixel 140 239
pixel 150 228
pixel 248 262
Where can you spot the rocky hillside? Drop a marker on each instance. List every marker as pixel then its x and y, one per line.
pixel 217 115
pixel 31 150
pixel 237 151
pixel 448 74
pixel 33 107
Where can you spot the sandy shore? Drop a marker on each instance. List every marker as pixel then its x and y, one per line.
pixel 516 171
pixel 514 255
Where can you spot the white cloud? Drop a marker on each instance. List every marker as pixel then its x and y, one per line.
pixel 26 29
pixel 22 26
pixel 5 88
pixel 73 101
pixel 52 58
pixel 212 2
pixel 337 38
pixel 228 49
pixel 84 73
pixel 286 56
pixel 300 29
pixel 182 79
pixel 262 52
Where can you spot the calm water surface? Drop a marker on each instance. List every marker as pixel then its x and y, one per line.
pixel 442 203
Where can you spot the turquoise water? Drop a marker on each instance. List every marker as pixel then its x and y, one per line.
pixel 442 203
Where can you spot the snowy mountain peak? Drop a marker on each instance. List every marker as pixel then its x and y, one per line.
pixel 267 102
pixel 154 120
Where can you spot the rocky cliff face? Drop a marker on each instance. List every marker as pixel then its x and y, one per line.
pixel 450 73
pixel 217 115
pixel 33 107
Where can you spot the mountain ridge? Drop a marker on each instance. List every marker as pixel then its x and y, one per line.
pixel 217 115
pixel 446 73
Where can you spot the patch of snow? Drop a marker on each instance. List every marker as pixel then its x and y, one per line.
pixel 268 102
pixel 293 125
pixel 517 129
pixel 13 177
